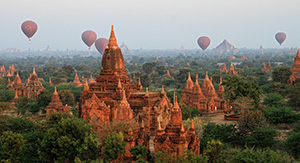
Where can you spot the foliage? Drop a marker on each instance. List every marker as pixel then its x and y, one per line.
pixel 236 87
pixel 66 97
pixel 293 144
pixel 249 155
pixel 114 147
pixel 214 151
pixel 198 125
pixel 11 145
pixel 274 99
pixel 262 138
pixel 277 115
pixel 4 106
pixel 251 120
pixel 221 132
pixel 25 104
pixel 44 99
pixel 189 112
pixel 138 151
pixel 293 96
pixel 6 95
pixel 187 157
pixel 281 74
pixel 67 139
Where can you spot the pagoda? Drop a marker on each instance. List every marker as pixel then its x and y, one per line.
pixel 56 105
pixel 205 99
pixel 231 70
pixel 76 80
pixel 114 97
pixel 17 86
pixel 295 70
pixel 176 138
pixel 224 69
pixel 264 68
pixel 34 87
pixel 2 71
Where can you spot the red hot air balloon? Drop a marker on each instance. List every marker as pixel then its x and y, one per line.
pixel 89 37
pixel 29 28
pixel 203 42
pixel 280 37
pixel 100 44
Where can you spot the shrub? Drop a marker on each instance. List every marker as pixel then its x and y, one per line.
pixel 293 144
pixel 262 137
pixel 277 115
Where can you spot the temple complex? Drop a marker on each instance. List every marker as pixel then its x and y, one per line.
pixel 205 99
pixel 295 70
pixel 113 97
pixel 229 71
pixel 34 86
pixel 9 73
pixel 176 138
pixel 265 68
pixel 244 57
pixel 56 105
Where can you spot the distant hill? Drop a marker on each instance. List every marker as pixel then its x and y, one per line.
pixel 225 47
pixel 125 50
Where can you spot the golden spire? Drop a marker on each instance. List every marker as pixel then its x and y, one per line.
pixel 119 83
pixel 176 106
pixel 123 96
pixel 162 89
pixel 142 125
pixel 139 83
pixel 182 128
pixel 147 93
pixel 206 76
pixel 189 77
pixel 33 71
pixel 112 40
pixel 192 125
pixel 55 91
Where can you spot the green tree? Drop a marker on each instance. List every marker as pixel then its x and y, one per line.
pixel 222 132
pixel 251 120
pixel 189 112
pixel 236 87
pixel 262 138
pixel 281 74
pixel 187 157
pixel 5 106
pixel 67 139
pixel 138 151
pixel 44 99
pixel 293 144
pixel 249 155
pixel 114 147
pixel 11 145
pixel 293 96
pixel 274 99
pixel 25 104
pixel 148 67
pixel 66 97
pixel 214 151
pixel 277 115
pixel 6 95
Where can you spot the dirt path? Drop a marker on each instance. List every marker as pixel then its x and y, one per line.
pixel 219 119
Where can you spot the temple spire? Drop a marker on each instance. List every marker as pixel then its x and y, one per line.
pixel 220 79
pixel 196 82
pixel 119 83
pixel 162 89
pixel 123 96
pixel 139 83
pixel 112 40
pixel 55 91
pixel 206 76
pixel 147 92
pixel 189 77
pixel 33 72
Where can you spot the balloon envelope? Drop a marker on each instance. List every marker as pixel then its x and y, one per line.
pixel 203 42
pixel 100 44
pixel 29 28
pixel 89 37
pixel 280 37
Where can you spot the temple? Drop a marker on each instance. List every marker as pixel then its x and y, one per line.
pixel 205 99
pixel 230 71
pixel 295 70
pixel 17 86
pixel 76 80
pixel 56 105
pixel 9 73
pixel 224 69
pixel 34 86
pixel 176 138
pixel 265 68
pixel 244 57
pixel 114 97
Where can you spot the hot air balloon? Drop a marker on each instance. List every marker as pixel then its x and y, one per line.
pixel 89 37
pixel 100 44
pixel 280 37
pixel 29 28
pixel 203 42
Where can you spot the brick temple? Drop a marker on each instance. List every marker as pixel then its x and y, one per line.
pixel 295 70
pixel 115 97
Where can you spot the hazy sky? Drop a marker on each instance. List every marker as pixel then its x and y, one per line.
pixel 151 24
